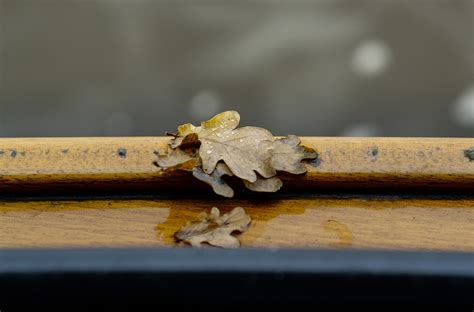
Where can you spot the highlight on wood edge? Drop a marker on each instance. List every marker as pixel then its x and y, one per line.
pixel 342 162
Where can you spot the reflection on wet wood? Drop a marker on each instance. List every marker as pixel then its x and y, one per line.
pixel 341 230
pixel 381 223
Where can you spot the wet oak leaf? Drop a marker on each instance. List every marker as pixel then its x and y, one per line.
pixel 225 121
pixel 270 185
pixel 188 141
pixel 214 229
pixel 245 151
pixel 177 159
pixel 190 133
pixel 287 155
pixel 309 153
pixel 217 148
pixel 219 186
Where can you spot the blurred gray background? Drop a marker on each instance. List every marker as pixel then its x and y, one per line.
pixel 351 68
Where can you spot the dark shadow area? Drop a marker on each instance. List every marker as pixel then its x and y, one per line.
pixel 119 278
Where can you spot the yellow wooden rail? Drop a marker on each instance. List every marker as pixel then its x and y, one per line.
pixel 38 163
pixel 401 220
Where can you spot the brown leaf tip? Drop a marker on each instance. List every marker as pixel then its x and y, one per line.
pixel 214 229
pixel 217 148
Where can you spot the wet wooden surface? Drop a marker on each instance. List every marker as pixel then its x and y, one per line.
pixel 309 222
pixel 46 164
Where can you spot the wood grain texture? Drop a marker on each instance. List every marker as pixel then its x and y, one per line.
pixel 298 219
pixel 46 164
pixel 375 223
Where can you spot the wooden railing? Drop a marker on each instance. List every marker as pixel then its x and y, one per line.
pixel 425 163
pixel 383 193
